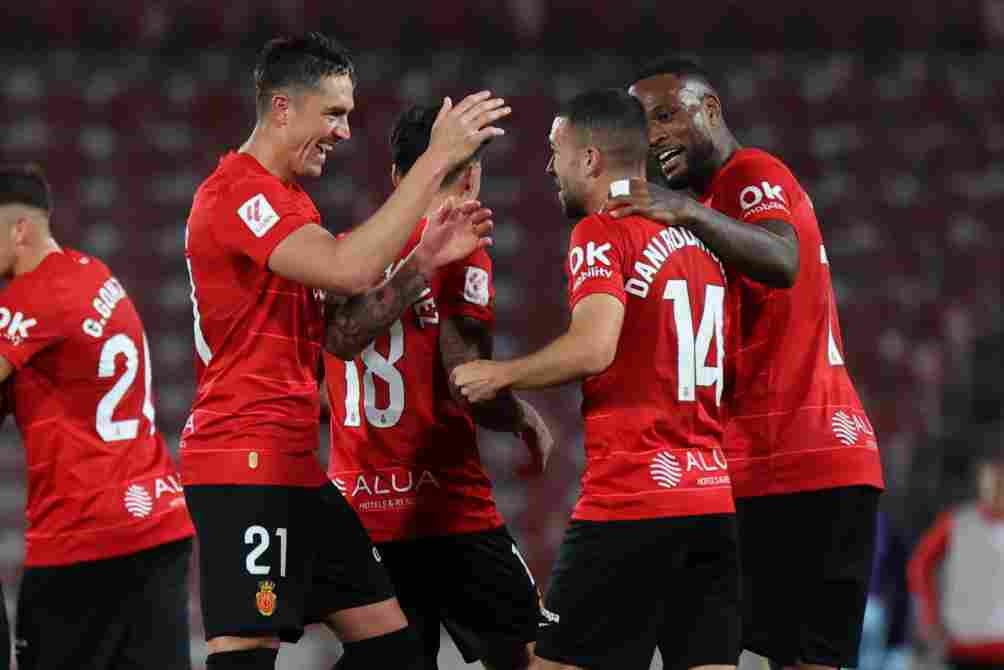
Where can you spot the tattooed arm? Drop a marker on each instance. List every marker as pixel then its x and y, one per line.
pixel 352 323
pixel 463 339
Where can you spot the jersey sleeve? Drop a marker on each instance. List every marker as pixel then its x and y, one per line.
pixel 259 215
pixel 759 188
pixel 922 570
pixel 469 288
pixel 27 326
pixel 595 261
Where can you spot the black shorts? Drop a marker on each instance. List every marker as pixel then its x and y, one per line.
pixel 476 584
pixel 806 562
pixel 622 588
pixel 273 559
pixel 123 613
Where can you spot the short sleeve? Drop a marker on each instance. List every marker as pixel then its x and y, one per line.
pixel 758 188
pixel 595 260
pixel 469 288
pixel 28 327
pixel 261 213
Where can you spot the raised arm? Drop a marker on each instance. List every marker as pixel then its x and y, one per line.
pixel 766 252
pixel 352 264
pixel 354 321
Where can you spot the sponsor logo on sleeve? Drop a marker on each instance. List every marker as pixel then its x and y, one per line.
pixel 138 501
pixel 258 215
pixel 476 286
pixel 756 199
pixel 15 325
pixel 593 256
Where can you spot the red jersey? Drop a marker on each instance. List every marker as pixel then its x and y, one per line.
pixel 653 432
pixel 795 422
pixel 101 482
pixel 258 336
pixel 402 451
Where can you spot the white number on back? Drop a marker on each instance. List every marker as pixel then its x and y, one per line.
pixel 376 365
pixel 108 428
pixel 692 350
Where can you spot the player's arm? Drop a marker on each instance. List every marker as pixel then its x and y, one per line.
pixel 587 349
pixel 767 252
pixel 352 322
pixel 463 339
pixel 6 369
pixel 352 264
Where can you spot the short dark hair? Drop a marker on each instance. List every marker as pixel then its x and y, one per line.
pixel 299 61
pixel 678 66
pixel 614 119
pixel 410 138
pixel 25 185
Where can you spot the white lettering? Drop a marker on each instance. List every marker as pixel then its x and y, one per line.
pixel 575 258
pixel 636 287
pixel 597 252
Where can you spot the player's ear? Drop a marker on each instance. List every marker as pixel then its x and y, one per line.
pixel 395 175
pixel 593 162
pixel 712 109
pixel 279 106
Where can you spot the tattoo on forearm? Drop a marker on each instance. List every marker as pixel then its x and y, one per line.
pixel 355 322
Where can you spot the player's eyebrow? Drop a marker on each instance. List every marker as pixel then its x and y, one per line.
pixel 336 109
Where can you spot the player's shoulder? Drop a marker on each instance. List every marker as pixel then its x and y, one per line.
pixel 599 222
pixel 55 286
pixel 753 160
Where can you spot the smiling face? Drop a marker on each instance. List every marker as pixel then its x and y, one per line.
pixel 566 166
pixel 316 119
pixel 681 119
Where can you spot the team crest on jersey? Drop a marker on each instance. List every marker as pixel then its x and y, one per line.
pixel 265 599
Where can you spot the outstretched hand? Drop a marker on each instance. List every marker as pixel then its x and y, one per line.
pixel 454 232
pixel 480 380
pixel 459 130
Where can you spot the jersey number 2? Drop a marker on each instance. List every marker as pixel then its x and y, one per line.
pixel 692 349
pixel 108 428
pixel 380 366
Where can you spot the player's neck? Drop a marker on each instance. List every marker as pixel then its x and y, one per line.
pixel 266 151
pixel 598 196
pixel 34 255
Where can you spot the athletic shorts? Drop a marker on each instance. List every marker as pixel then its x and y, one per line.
pixel 622 588
pixel 123 613
pixel 273 559
pixel 476 584
pixel 806 562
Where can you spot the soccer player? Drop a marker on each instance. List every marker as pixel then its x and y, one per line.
pixel 801 450
pixel 279 546
pixel 108 542
pixel 649 558
pixel 404 449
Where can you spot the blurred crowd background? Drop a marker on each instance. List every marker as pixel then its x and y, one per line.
pixel 894 123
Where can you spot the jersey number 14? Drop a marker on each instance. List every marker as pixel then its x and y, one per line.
pixel 692 348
